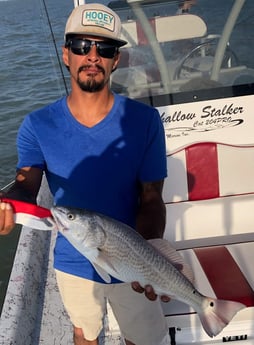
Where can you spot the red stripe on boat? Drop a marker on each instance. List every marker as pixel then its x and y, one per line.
pixel 224 275
pixel 202 171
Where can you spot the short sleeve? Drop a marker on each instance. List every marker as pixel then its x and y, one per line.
pixel 29 151
pixel 154 164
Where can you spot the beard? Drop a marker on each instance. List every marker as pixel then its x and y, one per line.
pixel 91 84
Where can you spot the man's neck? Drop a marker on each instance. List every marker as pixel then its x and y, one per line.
pixel 90 108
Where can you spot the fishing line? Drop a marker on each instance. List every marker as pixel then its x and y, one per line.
pixel 55 46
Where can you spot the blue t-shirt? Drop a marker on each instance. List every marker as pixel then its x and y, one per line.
pixel 97 168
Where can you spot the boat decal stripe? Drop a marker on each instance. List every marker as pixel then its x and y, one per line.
pixel 202 171
pixel 224 275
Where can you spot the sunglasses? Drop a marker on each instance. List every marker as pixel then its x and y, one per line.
pixel 81 46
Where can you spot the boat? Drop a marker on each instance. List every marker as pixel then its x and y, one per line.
pixel 196 68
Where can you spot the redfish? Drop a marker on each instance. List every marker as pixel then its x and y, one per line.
pixel 117 250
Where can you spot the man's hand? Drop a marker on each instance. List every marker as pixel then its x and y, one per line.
pixel 149 292
pixel 6 218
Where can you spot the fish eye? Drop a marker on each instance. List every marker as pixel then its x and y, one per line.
pixel 70 216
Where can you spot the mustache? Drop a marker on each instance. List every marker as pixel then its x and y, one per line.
pixel 85 67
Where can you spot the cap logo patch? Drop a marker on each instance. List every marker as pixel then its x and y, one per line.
pixel 99 18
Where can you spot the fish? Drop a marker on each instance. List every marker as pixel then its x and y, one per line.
pixel 117 250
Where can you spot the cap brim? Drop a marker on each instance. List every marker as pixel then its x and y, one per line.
pixel 117 42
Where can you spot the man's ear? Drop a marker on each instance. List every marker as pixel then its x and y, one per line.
pixel 116 61
pixel 65 56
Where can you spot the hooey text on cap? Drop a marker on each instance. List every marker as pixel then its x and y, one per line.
pixel 99 18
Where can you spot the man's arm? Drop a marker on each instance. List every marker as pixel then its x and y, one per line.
pixel 25 188
pixel 151 220
pixel 26 185
pixel 151 217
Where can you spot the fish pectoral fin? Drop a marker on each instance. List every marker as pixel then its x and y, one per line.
pixel 102 273
pixel 106 265
pixel 94 256
pixel 165 248
pixel 90 253
pixel 99 263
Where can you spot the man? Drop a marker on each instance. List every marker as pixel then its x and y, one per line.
pixel 99 151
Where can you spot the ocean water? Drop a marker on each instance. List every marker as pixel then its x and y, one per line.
pixel 30 77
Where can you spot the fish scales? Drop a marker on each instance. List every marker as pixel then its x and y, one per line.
pixel 138 259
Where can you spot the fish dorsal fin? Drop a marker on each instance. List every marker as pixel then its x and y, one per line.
pixel 166 249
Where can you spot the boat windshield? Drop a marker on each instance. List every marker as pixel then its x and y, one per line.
pixel 179 48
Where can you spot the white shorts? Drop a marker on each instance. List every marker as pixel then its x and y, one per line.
pixel 141 321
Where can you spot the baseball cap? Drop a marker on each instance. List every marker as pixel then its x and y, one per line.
pixel 95 20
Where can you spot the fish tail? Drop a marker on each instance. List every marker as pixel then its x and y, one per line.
pixel 217 314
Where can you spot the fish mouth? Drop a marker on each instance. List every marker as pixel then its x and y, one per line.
pixel 50 222
pixel 58 215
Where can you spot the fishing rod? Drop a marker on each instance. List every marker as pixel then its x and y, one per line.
pixel 79 2
pixel 7 186
pixel 76 3
pixel 55 46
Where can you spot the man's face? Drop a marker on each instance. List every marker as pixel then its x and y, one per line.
pixel 91 61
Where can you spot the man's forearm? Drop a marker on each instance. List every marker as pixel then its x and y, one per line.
pixel 18 193
pixel 151 219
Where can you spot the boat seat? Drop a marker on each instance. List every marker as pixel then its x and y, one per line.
pixel 166 29
pixel 209 193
